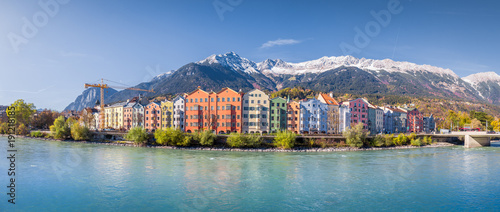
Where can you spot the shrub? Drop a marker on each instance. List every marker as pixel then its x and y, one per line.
pixel 205 138
pixel 378 141
pixel 412 136
pixel 389 140
pixel 356 136
pixel 4 128
pixel 416 142
pixel 240 140
pixel 284 139
pixel 171 137
pixel 60 130
pixel 37 134
pixel 79 132
pixel 427 140
pixel 138 135
pixel 400 140
pixel 22 130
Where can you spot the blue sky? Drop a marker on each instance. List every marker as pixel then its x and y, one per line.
pixel 131 41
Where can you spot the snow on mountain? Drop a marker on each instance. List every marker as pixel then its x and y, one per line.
pixel 328 63
pixel 278 66
pixel 482 77
pixel 162 76
pixel 232 60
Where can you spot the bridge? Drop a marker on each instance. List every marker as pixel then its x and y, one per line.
pixel 471 139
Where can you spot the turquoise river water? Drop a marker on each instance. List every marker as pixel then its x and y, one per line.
pixel 65 176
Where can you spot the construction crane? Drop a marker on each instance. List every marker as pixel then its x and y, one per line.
pixel 103 86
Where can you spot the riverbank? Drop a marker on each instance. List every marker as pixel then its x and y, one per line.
pixel 265 149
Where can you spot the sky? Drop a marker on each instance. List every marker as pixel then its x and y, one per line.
pixel 50 48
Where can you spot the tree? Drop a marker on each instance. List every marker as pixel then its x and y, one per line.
pixel 87 118
pixel 285 139
pixel 170 137
pixel 22 111
pixel 44 119
pixel 496 125
pixel 356 136
pixel 60 130
pixel 138 135
pixel 476 124
pixel 79 132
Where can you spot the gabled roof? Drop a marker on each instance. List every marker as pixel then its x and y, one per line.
pixel 325 98
pixel 198 89
pixel 278 98
pixel 156 103
pixel 178 97
pixel 227 88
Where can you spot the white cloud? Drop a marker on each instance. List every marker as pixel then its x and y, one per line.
pixel 279 42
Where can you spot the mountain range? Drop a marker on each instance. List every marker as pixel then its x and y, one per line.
pixel 343 74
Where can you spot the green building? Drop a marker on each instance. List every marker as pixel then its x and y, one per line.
pixel 278 114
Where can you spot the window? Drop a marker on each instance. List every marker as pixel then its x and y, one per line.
pixel 258 101
pixel 228 99
pixel 218 99
pixel 272 104
pixel 206 100
pixel 195 100
pixel 212 99
pixel 265 101
pixel 246 101
pixel 238 107
pixel 223 101
pixel 245 116
pixel 251 101
pixel 211 107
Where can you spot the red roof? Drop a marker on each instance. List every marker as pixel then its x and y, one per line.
pixel 328 99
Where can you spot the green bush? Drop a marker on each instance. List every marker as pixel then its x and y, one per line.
pixel 60 130
pixel 170 137
pixel 205 138
pixel 284 139
pixel 401 140
pixel 356 136
pixel 240 140
pixel 412 136
pixel 378 141
pixel 37 134
pixel 138 135
pixel 416 142
pixel 22 130
pixel 79 132
pixel 4 128
pixel 389 140
pixel 427 140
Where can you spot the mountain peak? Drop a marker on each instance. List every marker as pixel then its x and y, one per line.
pixel 231 60
pixel 482 77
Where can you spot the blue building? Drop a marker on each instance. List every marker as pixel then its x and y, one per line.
pixel 313 116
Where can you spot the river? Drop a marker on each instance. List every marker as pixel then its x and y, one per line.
pixel 66 176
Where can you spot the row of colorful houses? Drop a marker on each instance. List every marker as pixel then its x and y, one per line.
pixel 229 111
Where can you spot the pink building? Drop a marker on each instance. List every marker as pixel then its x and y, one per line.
pixel 415 120
pixel 359 111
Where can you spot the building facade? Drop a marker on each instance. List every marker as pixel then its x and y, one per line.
pixel 333 125
pixel 429 124
pixel 313 117
pixel 152 116
pixel 344 117
pixel 278 114
pixel 359 112
pixel 178 112
pixel 138 115
pixel 415 120
pixel 228 111
pixel 197 110
pixel 293 116
pixel 114 115
pixel 255 112
pixel 167 108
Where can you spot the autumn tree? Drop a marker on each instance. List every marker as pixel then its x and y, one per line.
pixel 22 111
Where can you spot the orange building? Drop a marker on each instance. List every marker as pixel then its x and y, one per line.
pixel 229 103
pixel 152 116
pixel 197 111
pixel 293 116
pixel 219 112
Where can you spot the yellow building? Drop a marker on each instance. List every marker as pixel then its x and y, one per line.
pixel 113 115
pixel 166 114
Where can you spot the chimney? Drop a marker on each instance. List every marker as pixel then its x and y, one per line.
pixel 331 94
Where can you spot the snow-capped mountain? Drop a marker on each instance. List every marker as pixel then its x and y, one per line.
pixel 343 74
pixel 487 84
pixel 231 60
pixel 162 76
pixel 482 77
